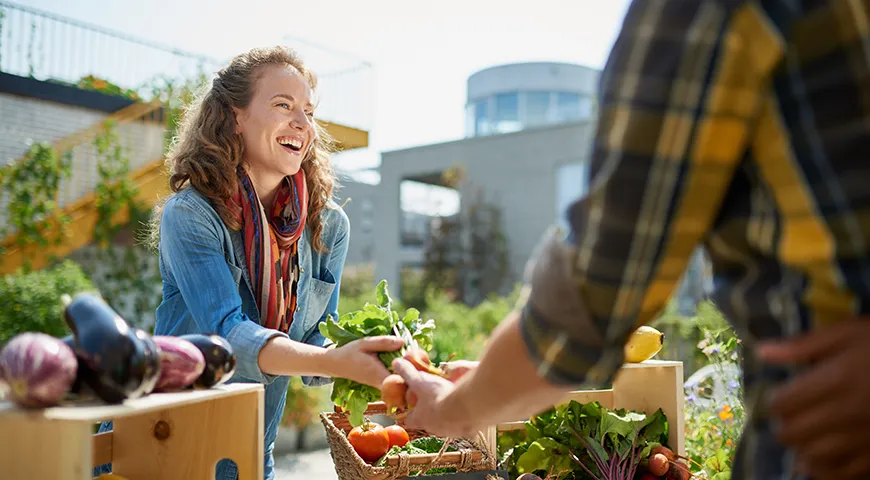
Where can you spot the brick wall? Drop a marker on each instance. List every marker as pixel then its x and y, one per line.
pixel 26 120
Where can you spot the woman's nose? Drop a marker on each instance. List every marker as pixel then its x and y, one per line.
pixel 299 121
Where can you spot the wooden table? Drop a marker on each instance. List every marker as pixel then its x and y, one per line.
pixel 163 436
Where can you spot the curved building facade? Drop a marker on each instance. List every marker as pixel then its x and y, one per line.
pixel 512 97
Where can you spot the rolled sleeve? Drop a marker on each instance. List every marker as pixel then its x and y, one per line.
pixel 247 339
pixel 678 97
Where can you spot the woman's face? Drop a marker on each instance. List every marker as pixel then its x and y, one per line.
pixel 277 127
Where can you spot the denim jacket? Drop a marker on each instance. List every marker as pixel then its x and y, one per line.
pixel 207 289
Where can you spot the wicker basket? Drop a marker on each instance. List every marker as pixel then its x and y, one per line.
pixel 470 455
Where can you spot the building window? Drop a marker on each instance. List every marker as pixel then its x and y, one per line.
pixel 537 108
pixel 572 183
pixel 507 113
pixel 567 107
pixel 481 118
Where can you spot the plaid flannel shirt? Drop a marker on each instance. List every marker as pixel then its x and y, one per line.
pixel 742 126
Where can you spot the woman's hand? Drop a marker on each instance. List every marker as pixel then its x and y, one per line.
pixel 358 360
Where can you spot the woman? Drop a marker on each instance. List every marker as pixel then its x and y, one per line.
pixel 251 246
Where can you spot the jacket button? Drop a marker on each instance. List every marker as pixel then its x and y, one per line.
pixel 302 270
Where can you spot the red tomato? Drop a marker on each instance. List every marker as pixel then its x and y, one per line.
pixel 370 441
pixel 398 436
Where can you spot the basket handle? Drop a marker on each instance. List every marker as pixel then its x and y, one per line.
pixel 374 408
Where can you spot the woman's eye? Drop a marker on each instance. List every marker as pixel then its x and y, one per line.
pixel 284 105
pixel 310 114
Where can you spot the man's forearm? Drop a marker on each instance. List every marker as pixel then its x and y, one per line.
pixel 504 387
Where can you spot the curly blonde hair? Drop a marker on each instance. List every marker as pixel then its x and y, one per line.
pixel 206 151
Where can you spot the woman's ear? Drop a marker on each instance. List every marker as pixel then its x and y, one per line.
pixel 237 125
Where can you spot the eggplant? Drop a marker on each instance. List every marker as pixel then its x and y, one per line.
pixel 181 363
pixel 39 369
pixel 119 362
pixel 220 362
pixel 77 387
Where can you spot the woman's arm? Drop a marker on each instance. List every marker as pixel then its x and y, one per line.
pixel 192 254
pixel 333 261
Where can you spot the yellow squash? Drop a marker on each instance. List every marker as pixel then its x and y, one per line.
pixel 643 344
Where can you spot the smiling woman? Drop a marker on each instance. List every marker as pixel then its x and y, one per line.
pixel 251 245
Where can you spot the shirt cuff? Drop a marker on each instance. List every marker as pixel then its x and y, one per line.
pixel 563 360
pixel 247 339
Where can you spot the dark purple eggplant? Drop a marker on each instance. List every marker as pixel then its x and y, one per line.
pixel 38 368
pixel 220 362
pixel 76 388
pixel 119 362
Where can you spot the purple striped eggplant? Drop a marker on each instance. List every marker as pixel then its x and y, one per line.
pixel 181 363
pixel 38 368
pixel 220 363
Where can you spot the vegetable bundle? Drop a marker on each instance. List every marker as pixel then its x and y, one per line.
pixel 589 441
pixel 374 320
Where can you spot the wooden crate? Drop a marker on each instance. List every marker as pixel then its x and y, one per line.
pixel 163 435
pixel 643 387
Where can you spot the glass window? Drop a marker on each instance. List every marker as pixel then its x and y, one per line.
pixel 587 106
pixel 507 113
pixel 469 120
pixel 537 107
pixel 481 118
pixel 571 184
pixel 567 107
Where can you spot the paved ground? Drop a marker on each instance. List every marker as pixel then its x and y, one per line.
pixel 311 465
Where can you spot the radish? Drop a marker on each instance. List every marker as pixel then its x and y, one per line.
pixel 38 368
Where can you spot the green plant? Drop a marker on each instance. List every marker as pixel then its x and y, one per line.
pixel 115 190
pixel 303 404
pixel 713 429
pixel 467 254
pixel 463 330
pixel 580 441
pixel 90 82
pixel 31 302
pixel 373 320
pixel 31 185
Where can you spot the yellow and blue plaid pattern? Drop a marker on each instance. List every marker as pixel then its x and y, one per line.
pixel 743 126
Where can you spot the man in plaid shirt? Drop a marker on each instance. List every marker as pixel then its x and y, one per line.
pixel 743 126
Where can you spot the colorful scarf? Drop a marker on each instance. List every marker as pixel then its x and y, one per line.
pixel 272 255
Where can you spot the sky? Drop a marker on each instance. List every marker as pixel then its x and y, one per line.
pixel 421 52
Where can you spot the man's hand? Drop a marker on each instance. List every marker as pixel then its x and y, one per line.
pixel 458 368
pixel 825 411
pixel 430 412
pixel 358 360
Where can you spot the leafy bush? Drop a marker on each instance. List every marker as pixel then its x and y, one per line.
pixel 31 302
pixel 462 330
pixel 713 429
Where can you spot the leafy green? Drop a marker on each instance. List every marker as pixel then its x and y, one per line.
pixel 597 436
pixel 370 321
pixel 420 446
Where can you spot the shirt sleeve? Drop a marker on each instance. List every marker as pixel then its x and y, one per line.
pixel 677 100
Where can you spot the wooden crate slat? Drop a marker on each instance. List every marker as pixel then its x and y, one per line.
pixel 102 449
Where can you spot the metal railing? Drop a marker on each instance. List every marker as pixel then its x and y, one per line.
pixel 45 46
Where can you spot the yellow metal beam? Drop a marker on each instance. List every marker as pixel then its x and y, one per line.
pixel 347 138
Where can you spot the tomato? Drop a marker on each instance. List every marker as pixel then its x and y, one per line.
pixel 398 436
pixel 370 440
